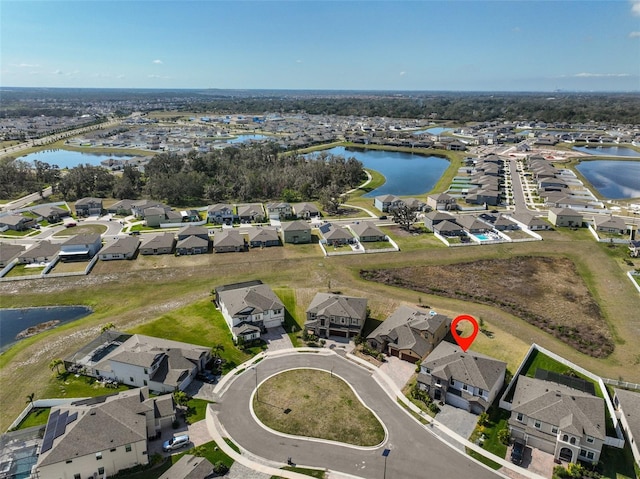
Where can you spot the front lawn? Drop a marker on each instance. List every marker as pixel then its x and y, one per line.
pixel 317 473
pixel 38 416
pixel 67 385
pixel 196 410
pixel 291 321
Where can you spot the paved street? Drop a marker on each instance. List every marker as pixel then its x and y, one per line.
pixel 414 449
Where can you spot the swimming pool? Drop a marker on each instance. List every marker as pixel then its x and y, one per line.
pixel 482 237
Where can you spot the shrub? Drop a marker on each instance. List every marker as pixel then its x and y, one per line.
pixel 220 468
pixel 504 435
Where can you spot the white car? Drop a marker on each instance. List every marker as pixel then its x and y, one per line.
pixel 175 443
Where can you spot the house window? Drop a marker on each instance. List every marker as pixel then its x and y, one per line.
pixel 355 321
pixel 113 449
pixel 145 382
pixel 427 371
pixel 451 381
pixel 127 448
pixel 572 440
pixel 536 424
pixel 590 439
pixel 465 387
pixel 565 438
pixel 98 456
pixel 146 371
pixel 590 455
pixel 101 471
pixel 68 461
pixel 554 430
pixel 480 392
pixel 438 382
pixel 76 476
pixel 520 417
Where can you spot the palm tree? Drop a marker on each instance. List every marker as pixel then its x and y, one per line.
pixel 107 327
pixel 217 349
pixel 30 398
pixel 55 364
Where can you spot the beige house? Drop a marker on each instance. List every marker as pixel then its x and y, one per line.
pixel 565 217
pixel 336 315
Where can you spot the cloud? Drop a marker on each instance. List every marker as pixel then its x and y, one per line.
pixel 635 7
pixel 57 72
pixel 155 77
pixel 601 75
pixel 157 62
pixel 25 65
pixel 298 61
pixel 403 74
pixel 634 35
pixel 516 29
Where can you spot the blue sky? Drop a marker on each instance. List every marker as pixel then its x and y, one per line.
pixel 508 45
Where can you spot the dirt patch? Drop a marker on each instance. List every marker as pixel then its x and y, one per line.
pixel 546 292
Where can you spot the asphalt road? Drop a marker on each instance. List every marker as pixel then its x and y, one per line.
pixel 415 451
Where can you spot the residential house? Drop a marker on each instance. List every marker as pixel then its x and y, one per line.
pixel 279 211
pixel 251 213
pixel 51 213
pixel 434 217
pixel 16 222
pixel 502 223
pixel 161 243
pixel 449 229
pixel 137 360
pixel 560 420
pixel 260 237
pixel 8 252
pixel 336 236
pixel 190 467
pixel 249 308
pixel 89 206
pixel 156 216
pixel 122 207
pixel 296 232
pixel 627 404
pixel 467 380
pixel 634 248
pixel 531 222
pixel 98 437
pixel 199 231
pixel 409 333
pixel 415 204
pixel 138 207
pixel 336 315
pixel 441 201
pixel 610 224
pixel 473 225
pixel 386 203
pixel 192 244
pixel 306 210
pixel 41 252
pixel 124 247
pixel 366 231
pixel 565 217
pixel 80 247
pixel 228 240
pixel 220 214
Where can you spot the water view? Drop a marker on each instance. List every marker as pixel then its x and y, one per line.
pixel 437 130
pixel 608 151
pixel 613 179
pixel 246 138
pixel 15 321
pixel 406 174
pixel 69 159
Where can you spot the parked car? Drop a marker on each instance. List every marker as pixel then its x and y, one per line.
pixel 175 442
pixel 206 376
pixel 517 452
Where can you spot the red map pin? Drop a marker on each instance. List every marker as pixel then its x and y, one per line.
pixel 464 343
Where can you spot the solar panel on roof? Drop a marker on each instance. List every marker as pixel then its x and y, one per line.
pixel 62 424
pixel 569 381
pixel 72 417
pixel 47 441
pixel 324 228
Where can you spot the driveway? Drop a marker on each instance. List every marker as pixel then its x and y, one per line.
pixel 533 460
pixel 398 370
pixel 458 420
pixel 276 339
pixel 198 434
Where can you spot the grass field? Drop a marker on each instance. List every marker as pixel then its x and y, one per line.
pixel 312 403
pixel 81 230
pixel 22 270
pixel 37 417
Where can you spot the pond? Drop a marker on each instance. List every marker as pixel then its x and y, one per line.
pixel 69 159
pixel 246 138
pixel 406 174
pixel 613 179
pixel 436 130
pixel 15 320
pixel 608 150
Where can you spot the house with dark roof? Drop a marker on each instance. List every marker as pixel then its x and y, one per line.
pixel 336 315
pixel 296 232
pixel 161 243
pixel 80 247
pixel 190 467
pixel 262 237
pixel 467 380
pixel 98 437
pixel 366 231
pixel 627 405
pixel 124 247
pixel 560 420
pixel 249 308
pixel 409 333
pixel 228 240
pixel 306 210
pixel 8 252
pixel 41 252
pixel 88 206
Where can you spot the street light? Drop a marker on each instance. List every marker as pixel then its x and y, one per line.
pixel 385 454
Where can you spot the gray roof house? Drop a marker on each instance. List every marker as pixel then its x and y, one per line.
pixel 610 224
pixel 261 237
pixel 122 207
pixel 16 222
pixel 409 333
pixel 472 224
pixel 192 245
pixel 531 222
pixel 337 236
pixel 434 217
pixel 448 228
pixel 190 230
pixel 125 247
pixel 560 420
pixel 89 206
pixel 441 201
pixel 336 315
pixel 628 404
pixel 248 308
pixel 251 213
pixel 367 231
pixel 80 247
pixel 220 213
pixel 386 203
pixel 228 240
pixel 190 467
pixel 8 252
pixel 279 211
pixel 296 232
pixel 467 380
pixel 161 243
pixel 565 217
pixel 306 210
pixel 41 252
pixel 51 213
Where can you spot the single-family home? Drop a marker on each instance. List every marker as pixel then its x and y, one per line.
pixel 228 240
pixel 124 247
pixel 466 380
pixel 192 244
pixel 306 210
pixel 415 204
pixel 249 308
pixel 261 237
pixel 161 243
pixel 138 207
pixel 531 222
pixel 565 217
pixel 560 420
pixel 627 404
pixel 296 232
pixel 251 213
pixel 89 206
pixel 190 467
pixel 409 333
pixel 220 213
pixel 8 252
pixel 16 222
pixel 336 315
pixel 137 360
pixel 441 201
pixel 610 224
pixel 98 437
pixel 122 207
pixel 335 235
pixel 634 248
pixel 41 252
pixel 366 231
pixel 502 223
pixel 434 217
pixel 154 216
pixel 189 230
pixel 279 211
pixel 51 213
pixel 80 247
pixel 473 225
pixel 386 203
pixel 448 229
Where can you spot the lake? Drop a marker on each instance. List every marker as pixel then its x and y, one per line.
pixel 613 179
pixel 69 159
pixel 407 174
pixel 13 321
pixel 245 138
pixel 608 151
pixel 436 130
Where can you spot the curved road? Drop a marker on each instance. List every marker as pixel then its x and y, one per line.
pixel 415 451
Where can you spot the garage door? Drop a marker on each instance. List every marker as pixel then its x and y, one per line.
pixel 273 323
pixel 342 334
pixel 394 352
pixel 456 401
pixel 408 358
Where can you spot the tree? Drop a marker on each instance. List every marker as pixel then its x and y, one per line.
pixel 30 398
pixel 504 435
pixel 217 349
pixel 55 364
pixel 107 327
pixel 331 198
pixel 404 215
pixel 180 397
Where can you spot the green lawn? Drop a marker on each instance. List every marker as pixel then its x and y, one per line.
pixel 483 459
pixel 497 420
pixel 37 417
pixel 317 473
pixel 19 233
pixel 291 318
pixel 69 386
pixel 618 463
pixel 196 410
pixel 199 323
pixel 22 270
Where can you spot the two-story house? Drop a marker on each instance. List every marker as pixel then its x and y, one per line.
pixel 279 211
pixel 409 333
pixel 336 315
pixel 386 203
pixel 441 201
pixel 80 247
pixel 249 308
pixel 467 380
pixel 220 214
pixel 560 420
pixel 89 206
